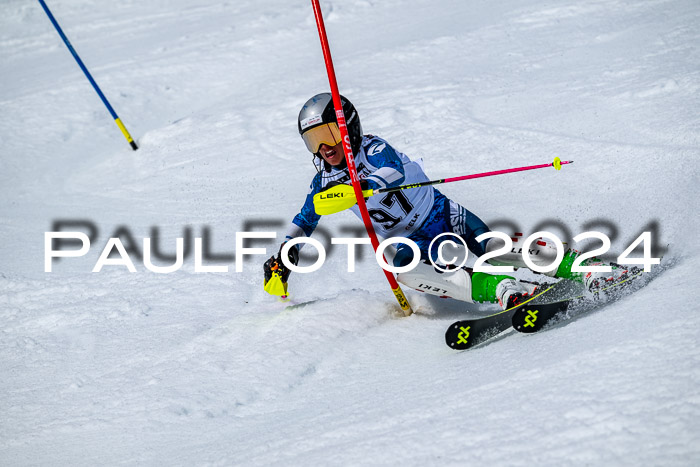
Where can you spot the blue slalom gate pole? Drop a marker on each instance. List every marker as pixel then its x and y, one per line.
pixel 116 118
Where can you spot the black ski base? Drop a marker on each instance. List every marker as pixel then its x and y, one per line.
pixel 532 318
pixel 535 314
pixel 467 333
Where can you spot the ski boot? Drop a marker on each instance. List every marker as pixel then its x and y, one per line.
pixel 512 292
pixel 597 280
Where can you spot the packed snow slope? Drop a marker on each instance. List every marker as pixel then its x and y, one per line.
pixel 195 368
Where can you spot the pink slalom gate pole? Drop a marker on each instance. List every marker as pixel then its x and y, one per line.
pixel 340 117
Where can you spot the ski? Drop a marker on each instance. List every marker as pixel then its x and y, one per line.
pixel 531 317
pixel 467 333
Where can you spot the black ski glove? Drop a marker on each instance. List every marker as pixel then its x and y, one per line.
pixel 275 264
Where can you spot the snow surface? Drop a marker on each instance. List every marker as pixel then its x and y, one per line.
pixel 205 368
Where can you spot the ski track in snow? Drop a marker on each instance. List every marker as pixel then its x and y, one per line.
pixel 205 368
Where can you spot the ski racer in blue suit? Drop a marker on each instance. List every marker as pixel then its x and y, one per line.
pixel 418 214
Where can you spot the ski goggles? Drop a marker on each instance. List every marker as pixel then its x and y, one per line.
pixel 327 134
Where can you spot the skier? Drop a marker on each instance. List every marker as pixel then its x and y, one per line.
pixel 419 214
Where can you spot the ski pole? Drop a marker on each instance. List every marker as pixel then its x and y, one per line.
pixel 341 197
pixel 82 66
pixel 398 293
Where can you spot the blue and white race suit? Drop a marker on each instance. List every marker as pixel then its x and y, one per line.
pixel 419 214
